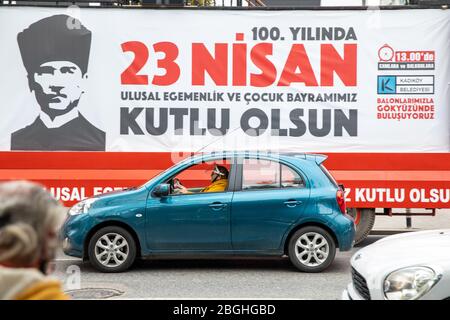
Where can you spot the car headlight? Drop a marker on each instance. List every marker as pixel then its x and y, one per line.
pixel 82 207
pixel 409 283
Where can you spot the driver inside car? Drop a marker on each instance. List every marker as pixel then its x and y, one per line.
pixel 219 181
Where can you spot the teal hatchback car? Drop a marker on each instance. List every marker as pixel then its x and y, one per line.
pixel 217 205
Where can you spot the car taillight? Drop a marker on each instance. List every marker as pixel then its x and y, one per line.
pixel 340 198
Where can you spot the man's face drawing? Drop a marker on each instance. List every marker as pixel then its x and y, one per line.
pixel 56 60
pixel 58 86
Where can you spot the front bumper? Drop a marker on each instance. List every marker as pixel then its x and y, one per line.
pixel 70 249
pixel 345 295
pixel 350 294
pixel 73 234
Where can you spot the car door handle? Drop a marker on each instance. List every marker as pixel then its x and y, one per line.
pixel 217 206
pixel 292 203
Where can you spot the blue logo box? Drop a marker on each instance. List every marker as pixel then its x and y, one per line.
pixel 387 85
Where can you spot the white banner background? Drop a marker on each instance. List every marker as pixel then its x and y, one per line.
pixel 403 30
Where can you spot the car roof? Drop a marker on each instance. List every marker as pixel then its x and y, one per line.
pixel 288 156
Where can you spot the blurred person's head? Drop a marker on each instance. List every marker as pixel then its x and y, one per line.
pixel 29 221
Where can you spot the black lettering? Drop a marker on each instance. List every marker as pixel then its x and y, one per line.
pixel 326 123
pixel 150 121
pixel 224 122
pixel 263 125
pixel 128 121
pixel 300 126
pixel 350 123
pixel 178 114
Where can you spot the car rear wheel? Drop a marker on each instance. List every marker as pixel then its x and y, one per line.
pixel 364 221
pixel 112 249
pixel 311 249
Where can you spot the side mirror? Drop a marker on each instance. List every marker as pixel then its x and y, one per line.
pixel 161 190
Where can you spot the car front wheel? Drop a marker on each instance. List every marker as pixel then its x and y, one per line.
pixel 311 249
pixel 112 249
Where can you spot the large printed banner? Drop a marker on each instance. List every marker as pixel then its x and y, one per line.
pixel 171 80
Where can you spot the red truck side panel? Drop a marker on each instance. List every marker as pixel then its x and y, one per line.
pixel 372 180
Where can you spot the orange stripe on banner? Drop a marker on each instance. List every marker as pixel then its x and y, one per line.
pixel 163 160
pixel 81 174
pixel 381 175
pixel 144 175
pixel 59 174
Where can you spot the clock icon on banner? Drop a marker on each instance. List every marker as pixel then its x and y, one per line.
pixel 386 53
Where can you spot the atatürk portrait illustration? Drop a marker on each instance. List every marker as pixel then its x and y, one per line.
pixel 55 54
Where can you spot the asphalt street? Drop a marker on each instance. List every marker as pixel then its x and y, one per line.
pixel 223 279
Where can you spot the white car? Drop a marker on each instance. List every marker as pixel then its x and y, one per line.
pixel 407 266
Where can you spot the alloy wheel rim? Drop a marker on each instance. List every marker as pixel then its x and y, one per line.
pixel 312 249
pixel 111 250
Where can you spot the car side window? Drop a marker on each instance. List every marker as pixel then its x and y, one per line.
pixel 265 174
pixel 260 174
pixel 290 178
pixel 203 177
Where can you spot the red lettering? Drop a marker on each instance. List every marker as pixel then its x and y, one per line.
pixel 298 59
pixel 258 56
pixel 130 76
pixel 203 62
pixel 331 62
pixel 239 64
pixel 167 63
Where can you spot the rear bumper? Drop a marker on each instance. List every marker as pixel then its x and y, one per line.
pixel 345 232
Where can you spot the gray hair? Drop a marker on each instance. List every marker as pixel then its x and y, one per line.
pixel 28 213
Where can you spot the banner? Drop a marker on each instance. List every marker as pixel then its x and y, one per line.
pixel 201 80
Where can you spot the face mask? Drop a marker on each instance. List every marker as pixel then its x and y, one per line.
pixel 216 174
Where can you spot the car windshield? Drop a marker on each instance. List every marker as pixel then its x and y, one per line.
pixel 164 171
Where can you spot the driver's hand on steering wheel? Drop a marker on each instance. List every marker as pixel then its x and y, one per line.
pixel 179 187
pixel 183 190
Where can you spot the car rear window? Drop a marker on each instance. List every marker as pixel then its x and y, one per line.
pixel 329 176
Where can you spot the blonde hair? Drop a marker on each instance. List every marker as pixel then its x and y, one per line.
pixel 28 213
